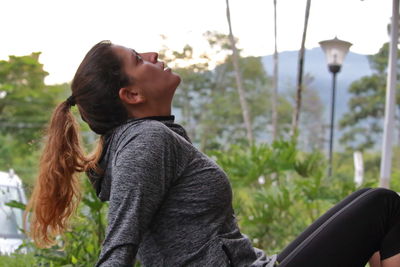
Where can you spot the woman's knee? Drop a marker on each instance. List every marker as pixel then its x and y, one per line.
pixel 385 192
pixel 384 196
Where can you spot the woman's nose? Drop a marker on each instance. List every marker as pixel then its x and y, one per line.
pixel 150 56
pixel 155 56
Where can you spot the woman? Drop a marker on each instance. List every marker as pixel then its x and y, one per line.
pixel 169 204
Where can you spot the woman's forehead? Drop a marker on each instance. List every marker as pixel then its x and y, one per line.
pixel 125 53
pixel 122 50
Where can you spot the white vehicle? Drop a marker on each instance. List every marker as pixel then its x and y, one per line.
pixel 10 218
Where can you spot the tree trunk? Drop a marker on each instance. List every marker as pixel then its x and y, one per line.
pixel 275 84
pixel 296 111
pixel 390 102
pixel 239 82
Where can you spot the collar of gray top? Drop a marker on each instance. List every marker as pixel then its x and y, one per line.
pixel 169 121
pixel 157 118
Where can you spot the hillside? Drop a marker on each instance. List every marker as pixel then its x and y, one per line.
pixel 354 67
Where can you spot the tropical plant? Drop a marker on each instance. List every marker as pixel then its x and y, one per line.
pixel 279 190
pixel 80 246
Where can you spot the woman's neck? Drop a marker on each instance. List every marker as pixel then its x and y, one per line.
pixel 150 113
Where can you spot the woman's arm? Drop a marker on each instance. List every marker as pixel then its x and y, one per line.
pixel 141 173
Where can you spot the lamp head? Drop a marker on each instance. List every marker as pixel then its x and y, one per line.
pixel 335 52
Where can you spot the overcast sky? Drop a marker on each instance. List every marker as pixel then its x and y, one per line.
pixel 64 30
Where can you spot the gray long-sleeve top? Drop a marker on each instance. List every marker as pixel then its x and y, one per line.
pixel 169 204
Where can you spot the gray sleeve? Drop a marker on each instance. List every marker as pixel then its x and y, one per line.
pixel 141 172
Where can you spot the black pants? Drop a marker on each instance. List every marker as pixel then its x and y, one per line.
pixel 348 234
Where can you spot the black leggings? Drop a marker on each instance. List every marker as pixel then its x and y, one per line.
pixel 348 234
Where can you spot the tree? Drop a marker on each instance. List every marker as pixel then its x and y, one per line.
pixel 194 87
pixel 296 113
pixel 311 136
pixel 274 98
pixel 24 111
pixel 223 111
pixel 222 116
pixel 363 123
pixel 208 99
pixel 239 82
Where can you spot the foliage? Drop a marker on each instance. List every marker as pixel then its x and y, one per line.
pixel 222 117
pixel 194 88
pixel 276 186
pixel 17 260
pixel 278 189
pixel 208 99
pixel 81 245
pixel 312 125
pixel 362 124
pixel 24 112
pixel 24 109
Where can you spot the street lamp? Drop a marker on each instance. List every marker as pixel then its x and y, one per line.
pixel 335 52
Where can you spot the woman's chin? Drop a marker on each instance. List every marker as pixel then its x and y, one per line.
pixel 177 79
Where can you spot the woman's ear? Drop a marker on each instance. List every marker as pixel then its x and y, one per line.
pixel 131 95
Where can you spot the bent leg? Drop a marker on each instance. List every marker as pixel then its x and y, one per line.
pixel 314 226
pixel 349 233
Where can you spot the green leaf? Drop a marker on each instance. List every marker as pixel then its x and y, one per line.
pixel 74 260
pixel 16 204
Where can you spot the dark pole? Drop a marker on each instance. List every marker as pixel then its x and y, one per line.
pixel 334 69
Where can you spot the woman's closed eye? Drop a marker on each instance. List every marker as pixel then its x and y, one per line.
pixel 139 59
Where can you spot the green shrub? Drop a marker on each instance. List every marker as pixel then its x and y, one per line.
pixel 79 247
pixel 279 191
pixel 17 260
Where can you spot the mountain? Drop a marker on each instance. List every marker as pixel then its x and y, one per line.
pixel 354 67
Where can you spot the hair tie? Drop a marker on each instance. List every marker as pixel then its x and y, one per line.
pixel 71 101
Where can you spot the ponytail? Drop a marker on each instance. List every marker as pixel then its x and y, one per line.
pixel 56 193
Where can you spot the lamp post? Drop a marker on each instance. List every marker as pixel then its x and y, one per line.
pixel 335 52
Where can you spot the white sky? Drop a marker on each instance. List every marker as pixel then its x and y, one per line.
pixel 64 30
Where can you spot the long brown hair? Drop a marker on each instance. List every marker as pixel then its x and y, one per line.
pixel 56 193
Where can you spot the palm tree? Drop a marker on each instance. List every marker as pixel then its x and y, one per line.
pixel 296 111
pixel 239 82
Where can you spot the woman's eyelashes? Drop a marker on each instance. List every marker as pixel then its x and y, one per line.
pixel 139 59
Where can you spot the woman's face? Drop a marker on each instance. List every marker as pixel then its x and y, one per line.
pixel 155 81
